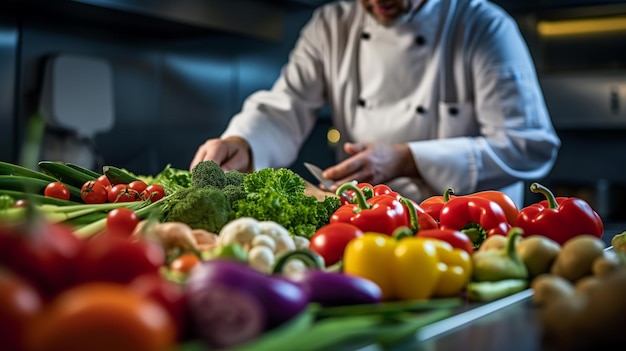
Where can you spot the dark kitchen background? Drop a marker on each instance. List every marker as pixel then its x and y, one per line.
pixel 170 73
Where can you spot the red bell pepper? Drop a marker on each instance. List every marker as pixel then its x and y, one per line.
pixel 456 238
pixel 508 205
pixel 380 214
pixel 434 204
pixel 368 191
pixel 559 218
pixel 417 219
pixel 475 216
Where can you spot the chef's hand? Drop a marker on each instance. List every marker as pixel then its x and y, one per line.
pixel 232 153
pixel 375 163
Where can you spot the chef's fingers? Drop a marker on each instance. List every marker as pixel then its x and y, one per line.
pixel 354 148
pixel 212 149
pixel 346 171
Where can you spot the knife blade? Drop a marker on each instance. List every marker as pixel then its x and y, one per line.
pixel 317 173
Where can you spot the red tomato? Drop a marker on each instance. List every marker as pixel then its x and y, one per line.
pixel 46 254
pixel 20 305
pixel 104 180
pixel 93 192
pixel 122 193
pixel 330 241
pixel 154 192
pixel 57 190
pixel 120 260
pixel 103 317
pixel 138 186
pixel 169 295
pixel 121 221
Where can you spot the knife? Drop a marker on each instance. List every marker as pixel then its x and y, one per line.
pixel 317 173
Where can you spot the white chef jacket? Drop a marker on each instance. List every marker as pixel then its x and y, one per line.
pixel 454 80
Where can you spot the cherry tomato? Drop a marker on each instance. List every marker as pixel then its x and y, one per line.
pixel 104 180
pixel 184 263
pixel 138 186
pixel 169 295
pixel 121 221
pixel 154 192
pixel 122 193
pixel 46 254
pixel 120 260
pixel 330 241
pixel 103 316
pixel 57 190
pixel 93 192
pixel 20 305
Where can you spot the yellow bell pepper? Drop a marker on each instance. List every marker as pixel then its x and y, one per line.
pixel 455 266
pixel 409 268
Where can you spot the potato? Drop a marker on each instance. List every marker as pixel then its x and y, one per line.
pixel 577 256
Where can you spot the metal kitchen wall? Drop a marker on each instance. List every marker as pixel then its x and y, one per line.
pixel 176 80
pixel 583 76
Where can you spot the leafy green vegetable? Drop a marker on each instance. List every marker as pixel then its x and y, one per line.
pixel 278 195
pixel 170 178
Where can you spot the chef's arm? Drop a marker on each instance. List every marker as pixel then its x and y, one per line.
pixel 276 122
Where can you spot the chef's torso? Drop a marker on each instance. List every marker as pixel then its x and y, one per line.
pixel 392 80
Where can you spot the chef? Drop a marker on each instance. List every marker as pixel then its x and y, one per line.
pixel 427 95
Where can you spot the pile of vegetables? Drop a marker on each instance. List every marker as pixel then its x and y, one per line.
pixel 229 260
pixel 580 299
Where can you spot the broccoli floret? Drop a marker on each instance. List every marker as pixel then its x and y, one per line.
pixel 234 193
pixel 208 173
pixel 206 208
pixel 234 177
